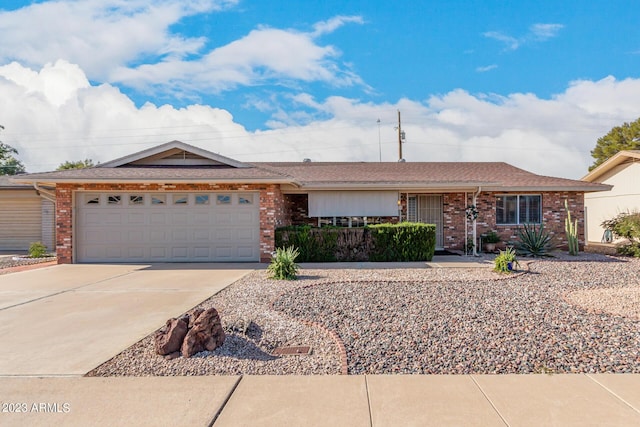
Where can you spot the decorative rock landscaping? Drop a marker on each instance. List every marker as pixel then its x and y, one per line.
pixel 569 314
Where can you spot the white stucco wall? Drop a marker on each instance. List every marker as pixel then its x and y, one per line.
pixel 623 197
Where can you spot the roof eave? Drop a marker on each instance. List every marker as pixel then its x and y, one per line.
pixel 45 181
pixel 590 188
pixel 610 163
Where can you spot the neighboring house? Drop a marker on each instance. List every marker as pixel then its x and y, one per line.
pixel 176 202
pixel 25 217
pixel 622 171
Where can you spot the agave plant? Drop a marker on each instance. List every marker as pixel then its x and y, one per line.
pixel 534 241
pixel 283 264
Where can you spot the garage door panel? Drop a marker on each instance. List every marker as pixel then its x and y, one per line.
pixel 201 235
pixel 201 218
pixel 244 218
pixel 135 236
pixel 179 235
pixel 224 218
pixel 137 218
pixel 246 251
pixel 158 236
pixel 115 236
pixel 135 253
pixel 158 253
pixel 158 218
pixel 245 234
pixel 180 218
pixel 113 252
pixel 180 253
pixel 160 232
pixel 202 253
pixel 223 252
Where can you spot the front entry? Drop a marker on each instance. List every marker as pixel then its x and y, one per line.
pixel 427 208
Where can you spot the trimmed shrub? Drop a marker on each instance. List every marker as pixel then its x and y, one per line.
pixel 407 241
pixel 394 242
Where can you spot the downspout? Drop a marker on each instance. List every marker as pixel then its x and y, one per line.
pixel 475 203
pixel 45 194
pixel 466 227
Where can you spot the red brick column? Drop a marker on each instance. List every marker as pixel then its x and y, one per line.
pixel 273 214
pixel 64 221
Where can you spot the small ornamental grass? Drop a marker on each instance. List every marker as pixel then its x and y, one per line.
pixel 283 264
pixel 37 250
pixel 506 261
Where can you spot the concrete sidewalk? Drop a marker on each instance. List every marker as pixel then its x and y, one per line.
pixel 372 400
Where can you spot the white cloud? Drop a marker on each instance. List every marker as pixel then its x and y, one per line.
pixel 545 31
pixel 547 136
pixel 511 43
pixel 265 55
pixel 131 43
pixel 486 68
pixel 536 33
pixel 326 27
pixel 96 34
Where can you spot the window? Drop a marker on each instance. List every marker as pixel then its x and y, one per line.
pixel 114 200
pixel 160 199
pixel 520 209
pixel 202 199
pixel 92 199
pixel 223 199
pixel 246 199
pixel 180 199
pixel 136 200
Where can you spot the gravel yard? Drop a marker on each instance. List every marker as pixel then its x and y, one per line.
pixel 563 315
pixel 9 261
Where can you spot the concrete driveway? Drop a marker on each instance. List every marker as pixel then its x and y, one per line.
pixel 68 319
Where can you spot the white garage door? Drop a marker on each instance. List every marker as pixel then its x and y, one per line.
pixel 173 227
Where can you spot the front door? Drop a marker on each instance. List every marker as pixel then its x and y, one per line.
pixel 427 208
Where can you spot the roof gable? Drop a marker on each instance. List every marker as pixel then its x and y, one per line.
pixel 174 154
pixel 621 157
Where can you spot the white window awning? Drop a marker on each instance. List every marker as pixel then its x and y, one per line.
pixel 353 203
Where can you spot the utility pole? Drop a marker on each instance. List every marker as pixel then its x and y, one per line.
pixel 401 138
pixel 379 143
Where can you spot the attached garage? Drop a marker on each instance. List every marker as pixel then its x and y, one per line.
pixel 25 217
pixel 167 227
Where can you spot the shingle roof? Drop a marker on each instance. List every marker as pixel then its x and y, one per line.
pixel 497 175
pixel 171 174
pixel 147 166
pixel 6 183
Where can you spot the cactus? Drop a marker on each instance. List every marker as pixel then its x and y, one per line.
pixel 571 229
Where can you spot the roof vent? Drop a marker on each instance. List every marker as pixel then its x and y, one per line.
pixel 307 160
pixel 401 161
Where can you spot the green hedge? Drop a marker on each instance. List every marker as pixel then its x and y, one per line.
pixel 407 241
pixel 387 242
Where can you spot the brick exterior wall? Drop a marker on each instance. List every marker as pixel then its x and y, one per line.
pixel 553 214
pixel 273 210
pixel 454 206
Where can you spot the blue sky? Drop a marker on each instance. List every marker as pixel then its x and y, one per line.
pixel 533 83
